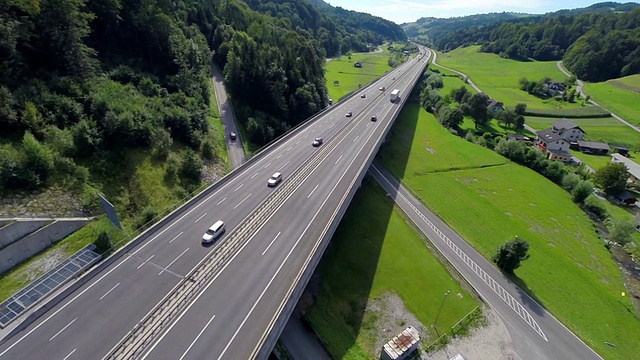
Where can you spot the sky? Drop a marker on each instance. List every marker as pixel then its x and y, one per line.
pixel 401 11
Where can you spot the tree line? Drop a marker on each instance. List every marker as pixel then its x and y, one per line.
pixel 595 46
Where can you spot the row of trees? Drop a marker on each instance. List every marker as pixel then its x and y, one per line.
pixel 595 46
pixel 468 104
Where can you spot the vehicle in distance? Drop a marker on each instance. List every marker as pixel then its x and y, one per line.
pixel 374 118
pixel 232 135
pixel 394 95
pixel 382 88
pixel 275 179
pixel 213 232
pixel 349 114
pixel 317 142
pixel 364 95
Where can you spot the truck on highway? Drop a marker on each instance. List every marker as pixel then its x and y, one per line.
pixel 394 95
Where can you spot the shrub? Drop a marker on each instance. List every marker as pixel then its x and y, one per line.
pixel 38 157
pixel 161 142
pixel 173 167
pixel 191 168
pixel 582 190
pixel 208 149
pixel 145 217
pixel 594 205
pixel 620 230
pixel 570 181
pixel 103 243
pixel 469 136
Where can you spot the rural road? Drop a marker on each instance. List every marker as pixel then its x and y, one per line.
pixel 536 334
pixel 582 94
pixel 234 147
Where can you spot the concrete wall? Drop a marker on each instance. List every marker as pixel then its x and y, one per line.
pixel 20 228
pixel 4 222
pixel 37 241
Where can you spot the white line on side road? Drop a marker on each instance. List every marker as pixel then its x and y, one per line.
pixel 146 261
pixel 254 175
pixel 110 290
pixel 312 191
pixel 197 337
pixel 240 203
pixel 181 232
pixel 271 243
pixel 71 353
pixel 238 188
pixel 201 216
pixel 278 157
pixel 287 163
pixel 338 160
pixel 174 260
pixel 221 201
pixel 63 329
pixel 266 166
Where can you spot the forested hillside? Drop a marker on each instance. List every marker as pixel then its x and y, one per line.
pixel 427 30
pixel 84 82
pixel 595 46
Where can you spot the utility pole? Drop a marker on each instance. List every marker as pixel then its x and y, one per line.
pixel 439 311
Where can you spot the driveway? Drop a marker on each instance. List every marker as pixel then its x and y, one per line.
pixel 234 147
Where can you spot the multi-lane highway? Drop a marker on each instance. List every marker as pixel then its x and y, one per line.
pixel 237 292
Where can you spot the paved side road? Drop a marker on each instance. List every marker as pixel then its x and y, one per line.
pixel 234 147
pixel 536 334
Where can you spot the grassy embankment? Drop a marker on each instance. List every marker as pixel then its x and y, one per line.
pixel 373 66
pixel 489 200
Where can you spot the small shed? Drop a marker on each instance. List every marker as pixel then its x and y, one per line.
pixel 358 64
pixel 623 151
pixel 518 137
pixel 402 345
pixel 593 147
pixel 626 197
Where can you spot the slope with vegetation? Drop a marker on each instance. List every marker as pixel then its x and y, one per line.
pixel 596 44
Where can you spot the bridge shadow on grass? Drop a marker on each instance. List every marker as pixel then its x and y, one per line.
pixel 343 281
pixel 345 275
pixel 394 153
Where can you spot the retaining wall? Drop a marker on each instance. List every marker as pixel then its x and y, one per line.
pixel 19 228
pixel 26 247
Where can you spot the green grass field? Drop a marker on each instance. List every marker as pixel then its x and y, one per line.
pixel 620 96
pixel 594 161
pixel 373 66
pixel 608 130
pixel 569 272
pixel 499 77
pixel 375 252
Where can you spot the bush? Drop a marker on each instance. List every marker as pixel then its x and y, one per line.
pixel 161 142
pixel 570 181
pixel 145 217
pixel 38 157
pixel 620 230
pixel 103 243
pixel 595 205
pixel 469 136
pixel 191 168
pixel 208 149
pixel 511 254
pixel 582 190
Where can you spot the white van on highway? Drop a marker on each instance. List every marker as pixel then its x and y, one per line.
pixel 213 232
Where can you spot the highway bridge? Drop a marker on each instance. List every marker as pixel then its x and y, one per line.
pixel 166 296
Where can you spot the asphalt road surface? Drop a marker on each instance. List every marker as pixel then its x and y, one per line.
pixel 536 334
pixel 240 300
pixel 234 147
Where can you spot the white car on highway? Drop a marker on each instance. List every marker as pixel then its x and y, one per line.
pixel 213 232
pixel 275 179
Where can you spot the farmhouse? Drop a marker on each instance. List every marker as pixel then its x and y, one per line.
pixel 553 145
pixel 495 106
pixel 633 169
pixel 554 87
pixel 568 130
pixel 593 147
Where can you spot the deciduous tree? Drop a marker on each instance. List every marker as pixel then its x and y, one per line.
pixel 510 254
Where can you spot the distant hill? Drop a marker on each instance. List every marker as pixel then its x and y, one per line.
pixel 339 30
pixel 596 43
pixel 429 29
